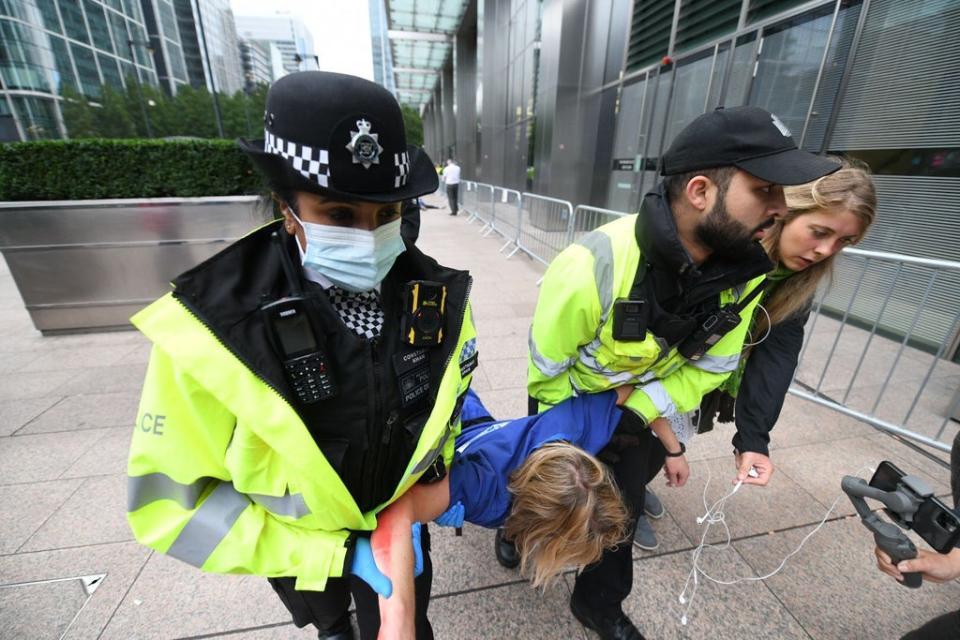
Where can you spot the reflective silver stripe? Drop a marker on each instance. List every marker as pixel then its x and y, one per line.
pixel 143 490
pixel 717 364
pixel 431 455
pixel 293 506
pixel 546 366
pixel 660 398
pixel 600 246
pixel 588 359
pixel 209 525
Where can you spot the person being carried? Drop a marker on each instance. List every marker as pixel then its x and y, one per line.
pixel 536 476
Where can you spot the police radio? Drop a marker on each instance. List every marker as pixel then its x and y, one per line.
pixel 295 339
pixel 712 328
pixel 424 308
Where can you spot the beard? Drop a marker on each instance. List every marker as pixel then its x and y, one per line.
pixel 724 235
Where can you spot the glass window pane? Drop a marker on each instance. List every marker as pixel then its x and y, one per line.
pixel 689 94
pixel 623 191
pixel 25 61
pixel 98 26
pixel 111 75
pixel 120 36
pixel 178 67
pixel 140 48
pixel 787 70
pixel 87 70
pixel 73 22
pixel 51 21
pixel 741 71
pixel 37 116
pixel 169 22
pixel 64 74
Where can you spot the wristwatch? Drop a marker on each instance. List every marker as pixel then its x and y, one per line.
pixel 683 450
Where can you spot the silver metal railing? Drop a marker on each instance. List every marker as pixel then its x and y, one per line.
pixel 544 229
pixel 876 345
pixel 468 198
pixel 586 219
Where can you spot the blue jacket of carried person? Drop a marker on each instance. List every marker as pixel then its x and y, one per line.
pixel 488 452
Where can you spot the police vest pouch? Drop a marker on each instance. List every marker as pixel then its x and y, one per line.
pixel 424 310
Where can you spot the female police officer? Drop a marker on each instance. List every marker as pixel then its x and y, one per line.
pixel 309 373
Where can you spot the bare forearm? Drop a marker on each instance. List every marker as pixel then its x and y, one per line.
pixel 393 551
pixel 661 427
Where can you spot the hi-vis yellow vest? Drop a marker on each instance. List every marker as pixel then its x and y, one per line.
pixel 572 349
pixel 224 475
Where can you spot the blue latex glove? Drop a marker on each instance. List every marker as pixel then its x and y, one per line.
pixel 452 517
pixel 365 568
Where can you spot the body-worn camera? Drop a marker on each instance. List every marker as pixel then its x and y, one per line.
pixel 630 319
pixel 424 306
pixel 709 332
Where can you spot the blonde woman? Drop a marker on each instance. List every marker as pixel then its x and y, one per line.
pixel 823 217
pixel 535 476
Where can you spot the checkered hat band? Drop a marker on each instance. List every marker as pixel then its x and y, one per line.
pixel 401 161
pixel 313 164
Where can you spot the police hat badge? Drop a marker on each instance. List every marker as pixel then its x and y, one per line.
pixel 364 146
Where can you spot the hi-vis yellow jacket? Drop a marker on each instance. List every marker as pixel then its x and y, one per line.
pixel 223 473
pixel 572 350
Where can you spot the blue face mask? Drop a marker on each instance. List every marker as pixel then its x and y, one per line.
pixel 353 259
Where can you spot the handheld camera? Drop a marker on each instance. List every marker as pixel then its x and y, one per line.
pixel 709 332
pixel 910 504
pixel 424 307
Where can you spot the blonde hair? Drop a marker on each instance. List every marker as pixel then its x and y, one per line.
pixel 850 188
pixel 566 510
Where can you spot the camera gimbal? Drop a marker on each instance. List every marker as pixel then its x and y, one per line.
pixel 902 504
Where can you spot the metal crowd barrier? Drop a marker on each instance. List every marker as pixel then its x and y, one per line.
pixel 544 226
pixel 507 217
pixel 876 345
pixel 586 219
pixel 468 198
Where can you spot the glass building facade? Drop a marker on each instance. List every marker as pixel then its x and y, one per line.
pixel 47 45
pixel 604 86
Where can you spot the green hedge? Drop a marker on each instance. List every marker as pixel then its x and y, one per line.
pixel 97 168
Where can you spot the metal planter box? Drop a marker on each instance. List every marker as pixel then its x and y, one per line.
pixel 91 264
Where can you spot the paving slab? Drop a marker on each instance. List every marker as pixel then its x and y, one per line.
pixel 106 456
pixel 742 610
pixel 45 456
pixel 510 611
pixel 17 412
pixel 203 603
pixel 54 605
pixel 24 508
pixel 750 511
pixel 89 516
pixel 17 386
pixel 118 378
pixel 119 562
pixel 833 588
pixel 87 411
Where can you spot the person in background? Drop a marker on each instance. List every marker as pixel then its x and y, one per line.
pixel 451 178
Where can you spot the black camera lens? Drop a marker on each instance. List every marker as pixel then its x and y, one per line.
pixel 428 320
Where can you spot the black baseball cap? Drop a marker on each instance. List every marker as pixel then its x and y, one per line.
pixel 339 135
pixel 749 138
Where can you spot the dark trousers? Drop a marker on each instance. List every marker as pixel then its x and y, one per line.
pixel 940 628
pixel 453 190
pixel 636 457
pixel 328 609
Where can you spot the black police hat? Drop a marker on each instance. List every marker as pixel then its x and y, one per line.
pixel 339 135
pixel 748 138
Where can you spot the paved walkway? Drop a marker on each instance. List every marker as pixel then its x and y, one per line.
pixel 67 405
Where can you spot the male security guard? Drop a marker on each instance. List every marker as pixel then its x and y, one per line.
pixel 311 372
pixel 662 300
